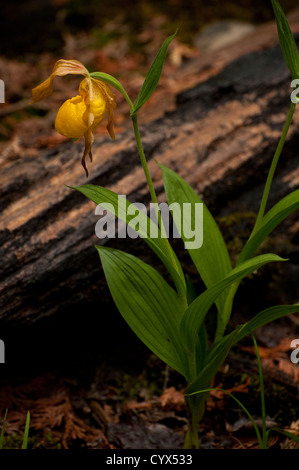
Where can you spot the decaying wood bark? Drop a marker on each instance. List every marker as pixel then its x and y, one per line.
pixel 219 131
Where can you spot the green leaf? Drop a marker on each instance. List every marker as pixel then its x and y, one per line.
pixel 26 432
pixel 211 259
pixel 147 303
pixel 214 360
pixel 191 291
pixel 292 436
pixel 286 39
pixel 197 311
pixel 272 219
pixel 105 77
pixel 221 348
pixel 3 430
pixel 153 76
pixel 202 347
pixel 105 198
pixel 266 316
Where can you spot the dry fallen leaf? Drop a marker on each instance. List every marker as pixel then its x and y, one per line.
pixel 241 388
pixel 277 359
pixel 172 399
pixel 282 347
pixel 134 405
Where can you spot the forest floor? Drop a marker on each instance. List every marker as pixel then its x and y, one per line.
pixel 109 404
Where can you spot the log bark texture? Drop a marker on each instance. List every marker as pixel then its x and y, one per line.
pixel 218 127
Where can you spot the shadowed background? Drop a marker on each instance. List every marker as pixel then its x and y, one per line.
pixel 215 118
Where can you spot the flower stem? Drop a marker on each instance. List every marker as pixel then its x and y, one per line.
pixel 181 293
pixel 179 286
pixel 272 169
pixel 143 160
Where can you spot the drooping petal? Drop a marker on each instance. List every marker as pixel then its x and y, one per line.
pixel 89 138
pixel 96 108
pixel 110 99
pixel 95 103
pixel 61 68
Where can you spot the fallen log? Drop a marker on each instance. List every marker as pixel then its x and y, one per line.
pixel 219 131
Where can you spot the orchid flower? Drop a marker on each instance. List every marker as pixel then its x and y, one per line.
pixel 79 116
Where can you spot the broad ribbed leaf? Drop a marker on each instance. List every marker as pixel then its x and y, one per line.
pixel 214 360
pixel 266 316
pixel 105 197
pixel 211 259
pixel 147 303
pixel 196 312
pixel 286 39
pixel 221 348
pixel 272 219
pixel 153 76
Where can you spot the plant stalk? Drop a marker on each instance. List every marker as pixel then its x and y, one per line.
pixel 181 292
pixel 234 287
pixel 272 169
pixel 143 161
pixel 195 408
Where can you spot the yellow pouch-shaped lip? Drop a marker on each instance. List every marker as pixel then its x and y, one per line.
pixel 71 120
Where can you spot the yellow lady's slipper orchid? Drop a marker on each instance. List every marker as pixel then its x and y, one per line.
pixel 79 116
